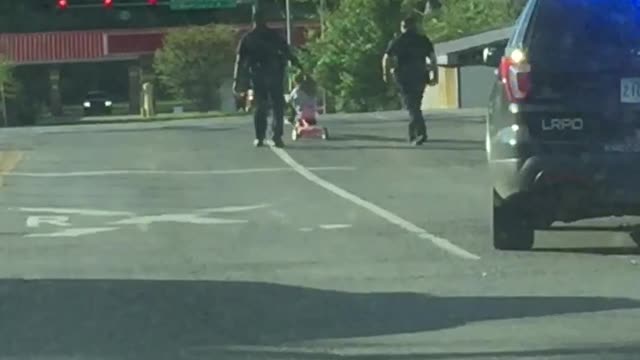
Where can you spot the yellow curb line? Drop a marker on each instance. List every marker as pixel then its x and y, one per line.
pixel 9 160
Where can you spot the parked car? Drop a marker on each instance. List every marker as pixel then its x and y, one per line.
pixel 97 103
pixel 563 128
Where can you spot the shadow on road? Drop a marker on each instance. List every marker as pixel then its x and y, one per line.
pixel 628 351
pixel 632 230
pixel 159 319
pixel 609 251
pixel 401 144
pixel 195 128
pixel 79 120
pixel 368 137
pixel 404 119
pixel 456 145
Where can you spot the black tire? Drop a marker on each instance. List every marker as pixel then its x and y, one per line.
pixel 325 134
pixel 635 236
pixel 510 227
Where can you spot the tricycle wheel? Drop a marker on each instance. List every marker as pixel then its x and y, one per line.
pixel 325 134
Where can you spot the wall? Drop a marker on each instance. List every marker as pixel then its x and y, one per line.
pixel 475 86
pixel 445 94
pixel 227 99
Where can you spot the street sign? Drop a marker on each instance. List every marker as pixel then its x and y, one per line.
pixel 202 4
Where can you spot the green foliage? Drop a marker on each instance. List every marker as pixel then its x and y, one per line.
pixel 22 108
pixel 346 61
pixel 459 18
pixel 195 61
pixel 24 105
pixel 5 72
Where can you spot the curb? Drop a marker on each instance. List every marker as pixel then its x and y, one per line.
pixel 127 120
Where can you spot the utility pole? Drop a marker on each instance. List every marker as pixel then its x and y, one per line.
pixel 288 10
pixel 288 21
pixel 3 99
pixel 323 10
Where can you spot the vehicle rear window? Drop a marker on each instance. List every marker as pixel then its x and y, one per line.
pixel 581 31
pixel 96 95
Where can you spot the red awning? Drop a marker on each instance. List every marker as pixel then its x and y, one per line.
pixel 83 46
pixel 52 47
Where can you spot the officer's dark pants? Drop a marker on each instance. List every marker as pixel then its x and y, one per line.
pixel 268 89
pixel 412 91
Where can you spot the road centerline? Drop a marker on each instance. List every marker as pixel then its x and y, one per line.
pixel 439 242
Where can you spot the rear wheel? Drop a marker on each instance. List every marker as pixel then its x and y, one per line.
pixel 325 134
pixel 511 228
pixel 635 236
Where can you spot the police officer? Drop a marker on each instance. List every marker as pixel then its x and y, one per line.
pixel 264 54
pixel 411 73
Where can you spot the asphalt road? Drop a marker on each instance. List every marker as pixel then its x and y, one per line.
pixel 180 240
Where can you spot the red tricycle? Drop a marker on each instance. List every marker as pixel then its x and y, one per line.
pixel 306 126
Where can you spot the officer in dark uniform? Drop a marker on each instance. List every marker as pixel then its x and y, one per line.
pixel 264 55
pixel 412 73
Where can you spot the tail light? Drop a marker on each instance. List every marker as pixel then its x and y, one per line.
pixel 515 75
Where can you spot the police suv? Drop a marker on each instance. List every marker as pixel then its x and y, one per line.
pixel 563 128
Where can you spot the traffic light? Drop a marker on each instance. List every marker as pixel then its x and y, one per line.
pixel 152 2
pixel 62 4
pixel 107 3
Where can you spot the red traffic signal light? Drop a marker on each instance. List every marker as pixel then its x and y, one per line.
pixel 62 4
pixel 152 2
pixel 107 3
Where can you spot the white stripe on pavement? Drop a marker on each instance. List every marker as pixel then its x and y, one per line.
pixel 444 244
pixel 167 172
pixel 72 232
pixel 65 211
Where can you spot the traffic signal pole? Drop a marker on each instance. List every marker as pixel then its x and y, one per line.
pixel 288 15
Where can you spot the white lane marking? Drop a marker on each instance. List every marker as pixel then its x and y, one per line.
pixel 444 244
pixel 306 229
pixel 231 209
pixel 167 172
pixel 86 212
pixel 177 218
pixel 73 232
pixel 335 226
pixel 56 220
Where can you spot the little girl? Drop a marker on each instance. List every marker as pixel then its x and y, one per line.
pixel 304 100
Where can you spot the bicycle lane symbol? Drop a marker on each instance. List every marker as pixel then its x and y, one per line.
pixel 61 218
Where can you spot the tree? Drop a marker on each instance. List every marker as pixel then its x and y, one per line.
pixel 346 60
pixel 18 104
pixel 195 61
pixel 5 71
pixel 459 18
pixel 6 82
